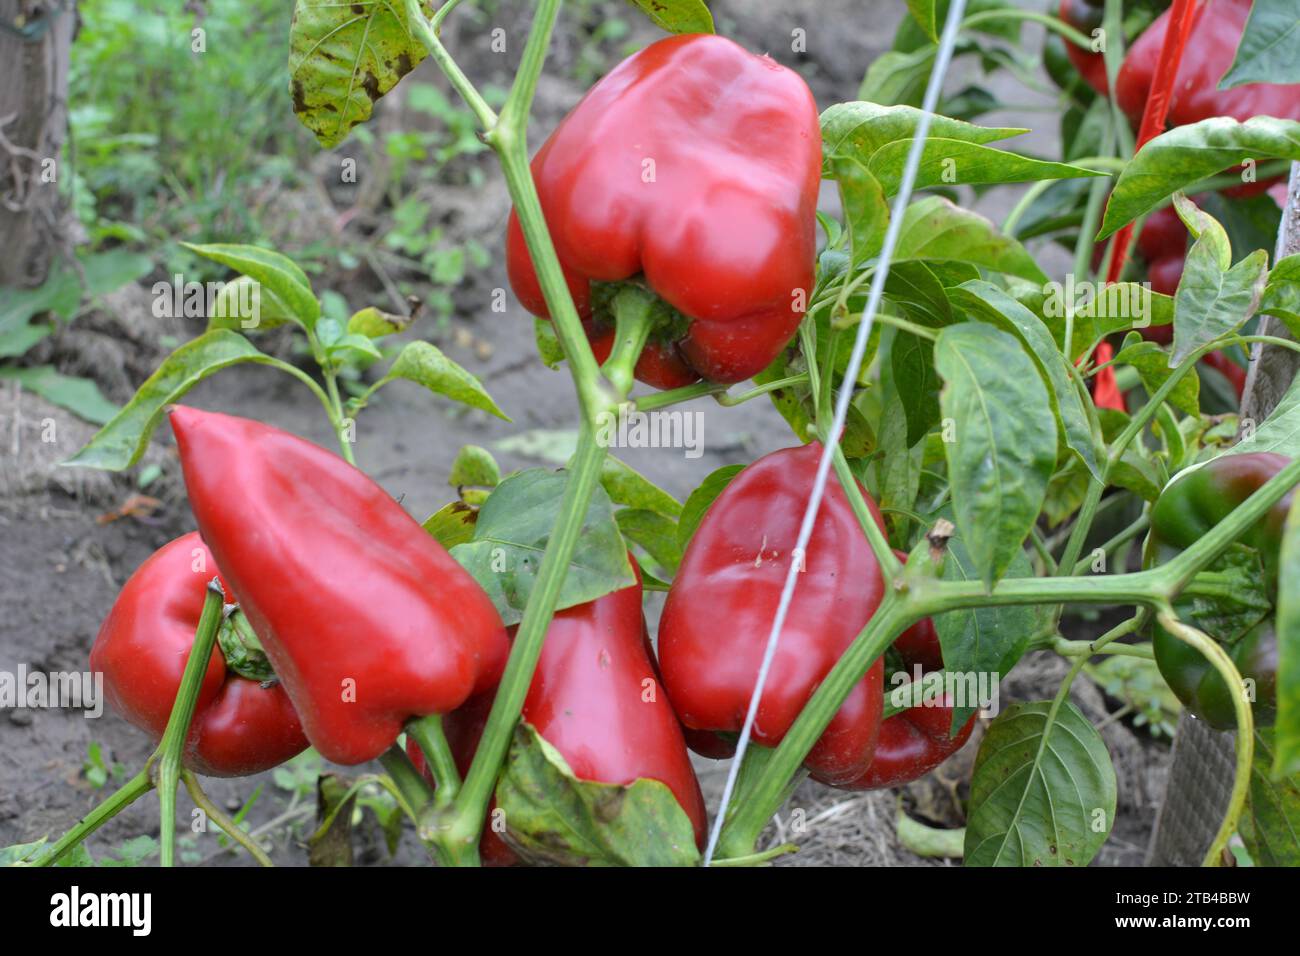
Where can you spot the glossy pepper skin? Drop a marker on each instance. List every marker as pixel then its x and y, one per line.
pixel 596 698
pixel 1212 45
pixel 1185 511
pixel 239 726
pixel 723 599
pixel 365 618
pixel 694 164
pixel 916 741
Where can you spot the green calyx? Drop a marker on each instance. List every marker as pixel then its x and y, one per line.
pixel 242 649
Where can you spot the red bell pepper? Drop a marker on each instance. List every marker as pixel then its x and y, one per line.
pixel 722 601
pixel 916 741
pixel 1085 17
pixel 694 164
pixel 595 697
pixel 365 618
pixel 1211 47
pixel 239 727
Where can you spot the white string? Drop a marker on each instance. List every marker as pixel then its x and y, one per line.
pixel 956 11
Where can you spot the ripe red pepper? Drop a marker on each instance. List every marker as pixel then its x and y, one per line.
pixel 239 727
pixel 696 165
pixel 722 601
pixel 916 741
pixel 595 697
pixel 1085 17
pixel 1105 387
pixel 365 618
pixel 1210 50
pixel 1185 511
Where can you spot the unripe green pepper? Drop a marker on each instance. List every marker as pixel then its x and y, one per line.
pixel 1185 511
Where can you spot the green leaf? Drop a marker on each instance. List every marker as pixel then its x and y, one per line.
pixel 331 844
pixel 513 528
pixel 21 852
pixel 1002 448
pixel 279 274
pixel 654 532
pixel 923 12
pixel 80 396
pixel 553 817
pixel 677 16
pixel 375 323
pixel 628 487
pixel 549 348
pixel 425 364
pixel 1269 49
pixel 1281 296
pixel 697 503
pixel 951 162
pixel 934 229
pixel 898 77
pixel 1279 432
pixel 18 341
pixel 911 360
pixel 243 305
pixel 899 467
pixel 452 524
pixel 1117 307
pixel 793 402
pixel 61 294
pixel 1152 364
pixel 1287 622
pixel 1043 790
pixel 859 129
pixel 474 466
pixel 342 58
pixel 985 640
pixel 121 442
pixel 990 304
pixel 1214 297
pixel 916 288
pixel 1271 827
pixel 866 211
pixel 1187 154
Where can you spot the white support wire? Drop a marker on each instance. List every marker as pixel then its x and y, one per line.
pixel 956 11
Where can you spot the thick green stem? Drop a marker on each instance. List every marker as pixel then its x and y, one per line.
pixel 428 35
pixel 635 311
pixel 415 790
pixel 1052 23
pixel 457 831
pixel 172 748
pixel 1245 742
pixel 471 805
pixel 1087 511
pixel 125 795
pixel 890 566
pixel 427 733
pixel 219 817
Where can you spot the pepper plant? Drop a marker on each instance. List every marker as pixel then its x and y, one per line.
pixel 667 232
